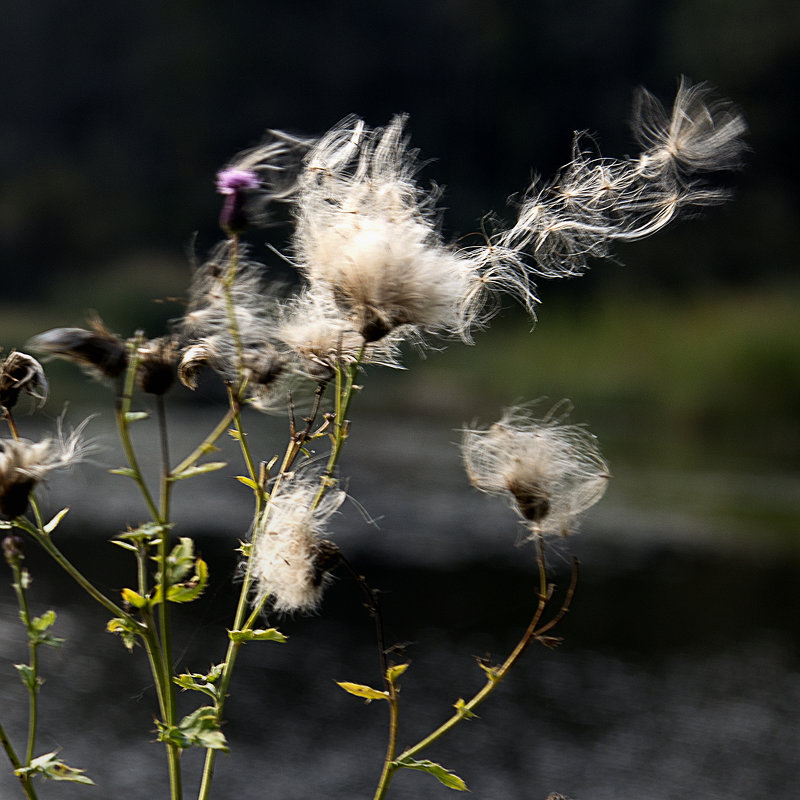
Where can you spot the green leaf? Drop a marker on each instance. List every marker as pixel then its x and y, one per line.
pixel 491 672
pixel 449 779
pixel 199 469
pixel 359 690
pixel 462 709
pixel 198 729
pixel 192 589
pixel 39 626
pixel 135 416
pixel 179 561
pixel 196 683
pixel 134 598
pixel 44 622
pixel 124 629
pixel 258 635
pixel 148 532
pixel 248 482
pixel 53 524
pixel 50 766
pixel 28 676
pixel 126 472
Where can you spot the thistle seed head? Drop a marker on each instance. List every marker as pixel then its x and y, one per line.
pixel 291 555
pixel 23 464
pixel 156 365
pixel 20 372
pixel 98 351
pixel 551 471
pixel 367 236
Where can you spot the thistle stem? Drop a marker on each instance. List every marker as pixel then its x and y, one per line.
pixel 534 631
pixel 345 390
pixel 25 780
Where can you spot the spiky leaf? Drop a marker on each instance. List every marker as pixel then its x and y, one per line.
pixel 51 766
pixel 449 779
pixel 258 635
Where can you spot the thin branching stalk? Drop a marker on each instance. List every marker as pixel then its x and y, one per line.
pixel 33 682
pixel 123 407
pixel 345 389
pixel 46 543
pixel 535 631
pixel 207 443
pixel 157 645
pixel 165 618
pixel 25 780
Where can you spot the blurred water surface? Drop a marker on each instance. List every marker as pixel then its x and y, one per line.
pixel 679 673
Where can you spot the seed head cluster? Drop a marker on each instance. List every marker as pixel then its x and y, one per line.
pixel 550 471
pixel 19 373
pixel 291 554
pixel 23 464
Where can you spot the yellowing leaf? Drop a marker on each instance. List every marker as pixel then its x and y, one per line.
pixel 393 673
pixel 359 690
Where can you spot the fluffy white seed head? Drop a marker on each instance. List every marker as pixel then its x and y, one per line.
pixel 550 471
pixel 23 464
pixel 317 338
pixel 291 554
pixel 367 235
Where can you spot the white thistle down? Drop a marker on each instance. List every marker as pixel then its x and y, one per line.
pixel 291 555
pixel 550 471
pixel 23 464
pixel 316 338
pixel 595 201
pixel 367 236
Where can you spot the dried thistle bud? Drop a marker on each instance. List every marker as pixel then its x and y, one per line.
pixel 262 364
pixel 552 471
pixel 12 549
pixel 21 373
pixel 194 358
pixel 156 371
pixel 98 351
pixel 24 463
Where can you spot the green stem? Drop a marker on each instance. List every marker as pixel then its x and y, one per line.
pixel 123 407
pixel 33 652
pixel 25 780
pixel 165 618
pixel 534 631
pixel 344 392
pixel 206 444
pixel 158 646
pixel 46 543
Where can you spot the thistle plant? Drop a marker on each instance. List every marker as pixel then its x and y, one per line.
pixel 373 274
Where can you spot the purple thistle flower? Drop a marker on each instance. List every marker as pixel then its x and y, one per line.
pixel 234 184
pixel 233 180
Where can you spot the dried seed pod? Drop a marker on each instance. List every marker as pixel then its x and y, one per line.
pixel 98 351
pixel 20 372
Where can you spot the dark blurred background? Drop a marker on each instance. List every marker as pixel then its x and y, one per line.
pixel 680 670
